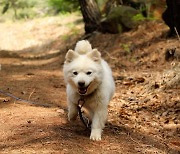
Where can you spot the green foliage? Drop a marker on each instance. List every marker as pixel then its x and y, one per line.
pixel 20 8
pixel 138 17
pixel 5 8
pixel 18 4
pixel 126 47
pixel 64 5
pixel 28 9
pixel 101 4
pixel 26 4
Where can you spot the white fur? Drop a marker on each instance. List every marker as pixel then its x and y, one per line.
pixel 83 47
pixel 100 85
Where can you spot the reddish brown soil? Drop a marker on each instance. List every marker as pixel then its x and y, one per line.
pixel 143 117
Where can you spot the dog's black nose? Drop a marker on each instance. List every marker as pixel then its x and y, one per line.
pixel 81 84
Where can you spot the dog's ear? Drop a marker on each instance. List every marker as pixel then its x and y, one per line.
pixel 95 55
pixel 70 56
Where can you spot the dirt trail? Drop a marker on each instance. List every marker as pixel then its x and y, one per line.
pixel 142 119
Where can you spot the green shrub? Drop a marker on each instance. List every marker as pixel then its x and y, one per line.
pixel 64 5
pixel 21 8
pixel 139 17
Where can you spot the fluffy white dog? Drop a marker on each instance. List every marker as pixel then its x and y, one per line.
pixel 87 75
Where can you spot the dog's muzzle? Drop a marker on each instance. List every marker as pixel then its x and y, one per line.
pixel 81 88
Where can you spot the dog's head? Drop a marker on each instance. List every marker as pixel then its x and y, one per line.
pixel 83 71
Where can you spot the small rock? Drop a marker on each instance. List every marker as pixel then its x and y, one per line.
pixel 61 111
pixel 22 92
pixel 165 113
pixel 28 121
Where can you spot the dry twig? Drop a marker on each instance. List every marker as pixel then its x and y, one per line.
pixel 177 33
pixel 31 94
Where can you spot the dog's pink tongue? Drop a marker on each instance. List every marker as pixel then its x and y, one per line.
pixel 82 91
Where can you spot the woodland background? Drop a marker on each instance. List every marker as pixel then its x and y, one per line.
pixel 144 114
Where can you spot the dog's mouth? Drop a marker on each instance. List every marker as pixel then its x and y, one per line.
pixel 82 91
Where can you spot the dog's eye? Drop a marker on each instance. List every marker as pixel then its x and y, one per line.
pixel 75 73
pixel 89 73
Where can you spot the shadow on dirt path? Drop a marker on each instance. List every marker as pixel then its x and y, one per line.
pixel 47 130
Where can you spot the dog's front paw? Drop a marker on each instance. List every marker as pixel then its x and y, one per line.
pixel 95 134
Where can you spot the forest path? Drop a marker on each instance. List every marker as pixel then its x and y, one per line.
pixel 30 73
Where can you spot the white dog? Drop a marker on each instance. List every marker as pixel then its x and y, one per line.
pixel 87 75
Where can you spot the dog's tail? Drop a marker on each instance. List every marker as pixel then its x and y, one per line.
pixel 82 47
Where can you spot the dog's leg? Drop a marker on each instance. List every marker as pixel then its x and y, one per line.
pixel 72 111
pixel 98 122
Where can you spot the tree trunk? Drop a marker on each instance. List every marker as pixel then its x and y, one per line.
pixel 171 16
pixel 13 5
pixel 91 15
